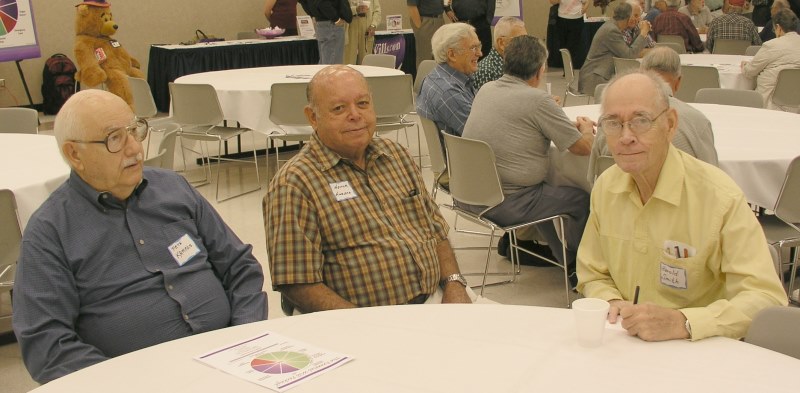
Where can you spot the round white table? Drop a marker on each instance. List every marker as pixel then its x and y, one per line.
pixel 32 169
pixel 729 67
pixel 244 94
pixel 454 348
pixel 754 146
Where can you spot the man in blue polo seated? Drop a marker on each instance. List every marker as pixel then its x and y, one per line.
pixel 120 258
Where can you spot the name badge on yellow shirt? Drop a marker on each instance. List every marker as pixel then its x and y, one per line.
pixel 673 276
pixel 342 191
pixel 183 250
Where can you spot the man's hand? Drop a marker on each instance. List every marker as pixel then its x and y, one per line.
pixel 362 9
pixel 454 292
pixel 613 311
pixel 702 30
pixel 650 322
pixel 340 22
pixel 370 31
pixel 586 125
pixel 644 27
pixel 557 99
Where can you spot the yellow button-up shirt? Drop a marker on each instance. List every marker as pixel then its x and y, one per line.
pixel 726 274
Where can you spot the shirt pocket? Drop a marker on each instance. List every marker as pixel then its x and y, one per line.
pixel 680 280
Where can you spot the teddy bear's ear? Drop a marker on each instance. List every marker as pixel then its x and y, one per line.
pixel 83 9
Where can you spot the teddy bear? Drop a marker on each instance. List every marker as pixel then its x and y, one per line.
pixel 100 58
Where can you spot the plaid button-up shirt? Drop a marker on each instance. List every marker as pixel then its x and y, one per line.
pixel 446 98
pixel 672 22
pixel 732 27
pixel 373 241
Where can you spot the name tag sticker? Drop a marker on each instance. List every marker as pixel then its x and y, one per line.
pixel 342 191
pixel 673 276
pixel 183 250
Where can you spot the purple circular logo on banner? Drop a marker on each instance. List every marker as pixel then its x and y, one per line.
pixel 394 44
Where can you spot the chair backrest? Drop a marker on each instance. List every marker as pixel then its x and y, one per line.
pixel 787 207
pixel 672 39
pixel 598 91
pixel 246 35
pixel 776 328
pixel 695 78
pixel 287 104
pixel 569 72
pixel 10 237
pixel 752 50
pixel 725 46
pixel 749 98
pixel 19 121
pixel 473 174
pixel 423 70
pixel 622 65
pixel 195 104
pixel 679 48
pixel 787 92
pixel 601 163
pixel 166 152
pixel 392 95
pixel 435 148
pixel 143 104
pixel 380 60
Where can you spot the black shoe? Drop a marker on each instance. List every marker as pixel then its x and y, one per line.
pixel 503 246
pixel 573 281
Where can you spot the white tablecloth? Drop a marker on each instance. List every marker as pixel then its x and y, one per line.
pixel 754 146
pixel 454 348
pixel 244 94
pixel 32 169
pixel 729 67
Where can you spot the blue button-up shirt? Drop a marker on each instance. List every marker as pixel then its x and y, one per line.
pixel 446 98
pixel 96 277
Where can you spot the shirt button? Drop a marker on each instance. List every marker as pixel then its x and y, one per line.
pixel 141 241
pixel 185 317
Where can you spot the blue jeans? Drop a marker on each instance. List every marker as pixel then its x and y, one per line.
pixel 330 41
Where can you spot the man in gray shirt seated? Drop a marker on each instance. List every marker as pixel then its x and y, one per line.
pixel 694 135
pixel 119 258
pixel 519 121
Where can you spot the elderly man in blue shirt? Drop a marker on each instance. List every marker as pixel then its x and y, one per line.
pixel 447 92
pixel 119 257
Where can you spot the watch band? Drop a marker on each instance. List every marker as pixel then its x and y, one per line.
pixel 688 327
pixel 453 277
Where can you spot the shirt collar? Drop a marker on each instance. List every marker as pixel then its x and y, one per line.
pixel 100 199
pixel 325 158
pixel 458 76
pixel 669 186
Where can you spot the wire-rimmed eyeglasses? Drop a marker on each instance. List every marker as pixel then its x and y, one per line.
pixel 116 138
pixel 639 124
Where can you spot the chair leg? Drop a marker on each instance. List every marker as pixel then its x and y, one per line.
pixel 560 230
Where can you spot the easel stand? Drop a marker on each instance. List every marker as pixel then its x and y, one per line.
pixel 24 84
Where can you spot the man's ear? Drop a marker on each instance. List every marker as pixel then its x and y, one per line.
pixel 73 156
pixel 311 116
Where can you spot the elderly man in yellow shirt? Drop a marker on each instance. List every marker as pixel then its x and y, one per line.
pixel 678 228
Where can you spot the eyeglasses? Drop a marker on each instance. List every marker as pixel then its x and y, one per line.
pixel 117 138
pixel 638 125
pixel 474 48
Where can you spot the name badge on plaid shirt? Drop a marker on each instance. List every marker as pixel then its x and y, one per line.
pixel 342 191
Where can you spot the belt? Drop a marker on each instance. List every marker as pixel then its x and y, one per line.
pixel 419 299
pixel 361 15
pixel 431 16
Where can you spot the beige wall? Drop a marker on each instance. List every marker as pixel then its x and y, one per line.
pixel 144 22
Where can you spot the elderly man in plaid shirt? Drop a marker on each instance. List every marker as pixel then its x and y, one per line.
pixel 349 222
pixel 673 22
pixel 732 26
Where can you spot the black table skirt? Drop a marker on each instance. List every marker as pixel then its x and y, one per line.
pixel 166 65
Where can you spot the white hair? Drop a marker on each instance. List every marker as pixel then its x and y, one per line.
pixel 504 27
pixel 448 37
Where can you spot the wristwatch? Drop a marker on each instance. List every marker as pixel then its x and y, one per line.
pixel 453 277
pixel 688 327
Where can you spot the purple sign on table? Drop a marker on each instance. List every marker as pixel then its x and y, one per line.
pixel 394 44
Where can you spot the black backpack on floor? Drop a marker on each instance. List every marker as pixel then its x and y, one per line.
pixel 58 82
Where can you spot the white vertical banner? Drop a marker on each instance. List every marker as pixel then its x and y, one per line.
pixel 507 8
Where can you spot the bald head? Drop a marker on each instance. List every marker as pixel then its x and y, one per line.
pixel 646 82
pixel 78 118
pixel 326 76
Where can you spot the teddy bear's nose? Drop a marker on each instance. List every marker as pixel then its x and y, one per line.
pixel 116 27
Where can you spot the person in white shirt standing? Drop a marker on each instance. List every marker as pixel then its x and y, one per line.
pixel 569 24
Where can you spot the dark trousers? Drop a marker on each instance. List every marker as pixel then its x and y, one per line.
pixel 484 32
pixel 570 33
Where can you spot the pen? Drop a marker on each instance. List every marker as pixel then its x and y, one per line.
pixel 636 295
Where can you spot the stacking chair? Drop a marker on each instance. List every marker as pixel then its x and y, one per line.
pixel 679 48
pixel 195 107
pixel 10 240
pixel 166 152
pixel 393 100
pixel 423 70
pixel 286 110
pixel 380 60
pixel 144 107
pixel 725 46
pixel 569 75
pixel 436 152
pixel 695 78
pixel 598 91
pixel 673 39
pixel 474 180
pixel 622 65
pixel 752 50
pixel 19 121
pixel 601 163
pixel 783 228
pixel 735 97
pixel 787 94
pixel 776 329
